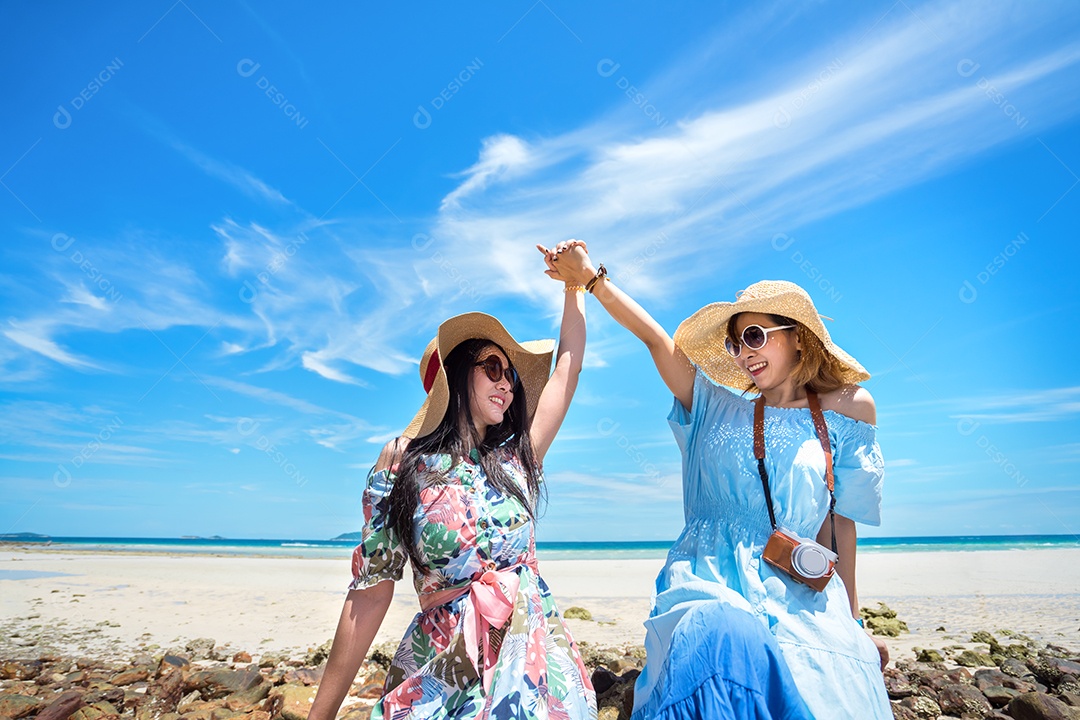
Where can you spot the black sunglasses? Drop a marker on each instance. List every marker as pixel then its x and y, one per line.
pixel 493 368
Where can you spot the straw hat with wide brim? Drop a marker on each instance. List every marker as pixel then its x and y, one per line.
pixel 701 336
pixel 531 359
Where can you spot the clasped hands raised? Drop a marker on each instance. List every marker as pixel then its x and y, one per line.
pixel 568 262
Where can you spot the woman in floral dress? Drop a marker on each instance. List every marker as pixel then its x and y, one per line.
pixel 462 484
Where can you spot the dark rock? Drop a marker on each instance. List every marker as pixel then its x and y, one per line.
pixel 246 700
pixel 898 685
pixel 128 677
pixel 291 702
pixel 988 677
pixel 887 627
pixel 319 654
pixel 306 676
pixel 1061 652
pixel 1016 651
pixel 602 679
pixel 970 658
pixel 596 656
pixel 929 656
pixel 20 669
pixel 113 696
pixel 62 707
pixel 882 620
pixel 1070 698
pixel 960 675
pixel 1012 666
pixel 882 610
pixel 963 700
pixel 270 660
pixel 577 613
pixel 999 696
pixel 938 679
pixel 616 700
pixel 76 678
pixel 98 711
pixel 17 706
pixel 213 684
pixel 241 657
pixel 1040 706
pixel 383 654
pixel 201 648
pixel 356 712
pixel 172 661
pixel 903 712
pixel 926 691
pixel 191 702
pixel 372 685
pixel 166 691
pixel 1052 670
pixel 995 678
pixel 922 707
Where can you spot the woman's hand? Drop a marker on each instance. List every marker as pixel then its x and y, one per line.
pixel 883 650
pixel 568 262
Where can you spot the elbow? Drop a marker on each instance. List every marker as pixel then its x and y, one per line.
pixel 569 364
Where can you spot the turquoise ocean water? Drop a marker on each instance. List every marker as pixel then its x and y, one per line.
pixel 546 550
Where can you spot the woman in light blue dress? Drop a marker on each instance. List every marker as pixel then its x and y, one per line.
pixel 729 635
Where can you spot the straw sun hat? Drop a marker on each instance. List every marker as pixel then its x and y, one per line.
pixel 701 336
pixel 531 359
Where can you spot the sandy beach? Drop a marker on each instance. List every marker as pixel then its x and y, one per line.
pixel 107 603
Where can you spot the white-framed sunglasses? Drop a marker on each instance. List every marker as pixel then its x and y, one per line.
pixel 753 337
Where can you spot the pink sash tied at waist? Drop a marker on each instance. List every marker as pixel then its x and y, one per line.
pixel 488 607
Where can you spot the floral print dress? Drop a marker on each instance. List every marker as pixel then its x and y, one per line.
pixel 455 661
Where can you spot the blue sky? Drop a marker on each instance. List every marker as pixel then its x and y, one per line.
pixel 229 231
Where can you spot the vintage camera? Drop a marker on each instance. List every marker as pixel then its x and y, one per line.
pixel 803 559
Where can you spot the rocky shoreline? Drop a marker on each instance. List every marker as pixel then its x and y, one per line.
pixel 996 676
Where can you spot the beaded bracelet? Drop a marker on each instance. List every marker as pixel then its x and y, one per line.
pixel 574 288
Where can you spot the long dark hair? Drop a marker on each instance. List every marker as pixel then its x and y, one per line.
pixel 455 436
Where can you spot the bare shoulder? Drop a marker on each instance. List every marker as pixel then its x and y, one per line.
pixel 853 401
pixel 391 453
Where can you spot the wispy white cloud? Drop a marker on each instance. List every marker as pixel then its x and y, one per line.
pixel 334 430
pixel 501 157
pixel 271 397
pixel 1049 405
pixel 883 109
pixel 48 348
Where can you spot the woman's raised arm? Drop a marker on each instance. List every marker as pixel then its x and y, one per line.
pixel 574 266
pixel 559 391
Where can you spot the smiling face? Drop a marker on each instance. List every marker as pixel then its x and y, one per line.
pixel 489 399
pixel 770 366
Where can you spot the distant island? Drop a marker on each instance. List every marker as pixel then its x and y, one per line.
pixel 349 536
pixel 16 537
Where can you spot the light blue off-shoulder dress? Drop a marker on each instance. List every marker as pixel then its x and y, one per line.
pixel 726 630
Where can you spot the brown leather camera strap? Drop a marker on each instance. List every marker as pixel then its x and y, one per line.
pixel 823 436
pixel 821 428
